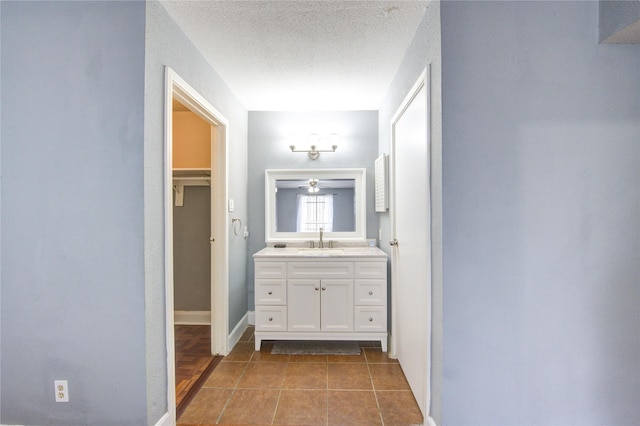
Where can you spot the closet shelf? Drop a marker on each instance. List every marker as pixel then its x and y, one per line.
pixel 189 177
pixel 179 173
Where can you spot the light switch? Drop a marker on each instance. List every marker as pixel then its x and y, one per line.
pixel 231 205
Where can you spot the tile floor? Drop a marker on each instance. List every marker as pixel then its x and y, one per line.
pixel 250 387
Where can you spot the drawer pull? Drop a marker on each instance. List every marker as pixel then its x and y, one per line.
pixel 269 293
pixel 270 318
pixel 370 292
pixel 370 319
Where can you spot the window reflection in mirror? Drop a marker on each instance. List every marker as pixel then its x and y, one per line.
pixel 308 205
pixel 300 202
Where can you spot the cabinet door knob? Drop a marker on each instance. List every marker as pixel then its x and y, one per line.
pixel 370 292
pixel 324 288
pixel 269 293
pixel 317 288
pixel 370 319
pixel 270 318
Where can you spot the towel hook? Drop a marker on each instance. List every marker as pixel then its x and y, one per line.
pixel 235 220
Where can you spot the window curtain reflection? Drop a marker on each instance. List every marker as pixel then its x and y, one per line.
pixel 315 212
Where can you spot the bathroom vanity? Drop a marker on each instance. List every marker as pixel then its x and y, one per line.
pixel 321 294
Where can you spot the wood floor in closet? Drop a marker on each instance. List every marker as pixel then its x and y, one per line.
pixel 194 361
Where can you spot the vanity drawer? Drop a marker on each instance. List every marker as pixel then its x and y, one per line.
pixel 271 269
pixel 271 318
pixel 271 292
pixel 323 270
pixel 370 292
pixel 371 318
pixel 371 270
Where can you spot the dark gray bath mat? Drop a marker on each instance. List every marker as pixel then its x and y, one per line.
pixel 307 347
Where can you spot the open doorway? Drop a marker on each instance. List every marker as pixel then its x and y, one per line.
pixel 194 142
pixel 195 178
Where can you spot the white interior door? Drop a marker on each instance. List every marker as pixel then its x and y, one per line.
pixel 411 254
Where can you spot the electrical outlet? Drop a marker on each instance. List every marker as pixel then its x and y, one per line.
pixel 62 391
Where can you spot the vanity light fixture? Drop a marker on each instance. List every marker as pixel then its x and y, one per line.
pixel 314 152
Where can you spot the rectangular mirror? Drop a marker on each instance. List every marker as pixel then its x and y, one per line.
pixel 300 202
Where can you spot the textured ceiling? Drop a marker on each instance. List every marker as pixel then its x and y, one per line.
pixel 302 55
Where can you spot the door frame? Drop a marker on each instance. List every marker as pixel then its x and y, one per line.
pixel 422 82
pixel 176 87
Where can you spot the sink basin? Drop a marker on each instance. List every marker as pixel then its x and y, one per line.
pixel 320 251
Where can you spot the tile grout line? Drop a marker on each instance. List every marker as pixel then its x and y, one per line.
pixel 275 412
pixel 273 418
pixel 327 393
pixel 226 404
pixel 233 392
pixel 373 386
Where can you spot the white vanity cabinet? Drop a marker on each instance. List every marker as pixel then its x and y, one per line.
pixel 311 296
pixel 320 296
pixel 371 296
pixel 271 296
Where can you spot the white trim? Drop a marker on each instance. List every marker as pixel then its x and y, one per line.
pixel 251 317
pixel 168 252
pixel 192 317
pixel 430 422
pixel 165 420
pixel 176 87
pixel 357 174
pixel 238 330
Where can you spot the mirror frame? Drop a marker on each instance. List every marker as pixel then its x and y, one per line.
pixel 272 175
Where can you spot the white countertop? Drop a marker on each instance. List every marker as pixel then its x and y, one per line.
pixel 337 252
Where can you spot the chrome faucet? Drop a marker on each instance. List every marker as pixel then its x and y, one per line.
pixel 321 244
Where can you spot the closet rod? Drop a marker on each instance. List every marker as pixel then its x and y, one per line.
pixel 192 178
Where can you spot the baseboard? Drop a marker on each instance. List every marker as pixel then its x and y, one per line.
pixel 164 420
pixel 236 334
pixel 252 317
pixel 192 317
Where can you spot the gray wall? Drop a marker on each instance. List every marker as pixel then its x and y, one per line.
pixel 269 149
pixel 82 202
pixel 72 212
pixel 424 49
pixel 615 15
pixel 166 44
pixel 541 168
pixel 192 250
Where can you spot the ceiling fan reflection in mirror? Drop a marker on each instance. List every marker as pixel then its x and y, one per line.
pixel 313 186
